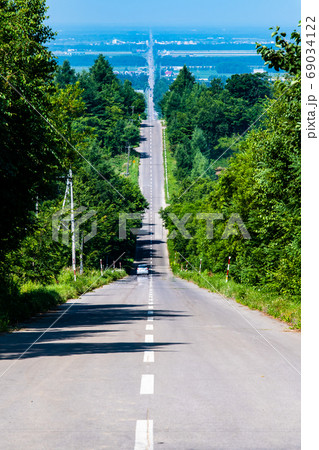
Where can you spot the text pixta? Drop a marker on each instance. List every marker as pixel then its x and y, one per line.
pixel 234 225
pixel 311 118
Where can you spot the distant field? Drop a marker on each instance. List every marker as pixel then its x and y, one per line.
pixel 89 52
pixel 208 53
pixel 120 69
pixel 87 60
pixel 201 73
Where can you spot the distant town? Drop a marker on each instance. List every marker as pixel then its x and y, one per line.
pixel 207 55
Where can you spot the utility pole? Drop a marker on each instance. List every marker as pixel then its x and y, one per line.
pixel 81 255
pixel 128 161
pixel 37 206
pixel 72 225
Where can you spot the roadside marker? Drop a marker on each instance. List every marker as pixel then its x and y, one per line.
pixel 228 269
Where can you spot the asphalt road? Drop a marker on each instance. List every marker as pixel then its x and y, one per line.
pixel 151 362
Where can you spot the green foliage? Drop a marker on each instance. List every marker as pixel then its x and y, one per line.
pixel 65 74
pixel 160 88
pixel 184 81
pixel 31 154
pixel 35 298
pixel 255 298
pixel 139 80
pixel 200 166
pixel 261 185
pixel 52 120
pixel 288 55
pixel 198 143
pixel 250 87
pixel 111 107
pixel 205 115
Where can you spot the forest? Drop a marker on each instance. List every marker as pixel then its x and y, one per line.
pixel 251 129
pixel 53 120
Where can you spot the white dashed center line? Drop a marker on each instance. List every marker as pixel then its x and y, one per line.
pixel 149 338
pixel 148 356
pixel 144 435
pixel 147 384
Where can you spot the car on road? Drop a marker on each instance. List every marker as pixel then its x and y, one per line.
pixel 142 269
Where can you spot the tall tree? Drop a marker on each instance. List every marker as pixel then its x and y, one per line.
pixel 198 143
pixel 31 152
pixel 184 80
pixel 250 87
pixel 65 74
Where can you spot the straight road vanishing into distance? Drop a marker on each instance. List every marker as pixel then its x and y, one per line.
pixel 151 362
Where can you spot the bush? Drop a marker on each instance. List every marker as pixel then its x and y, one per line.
pixel 264 300
pixel 18 304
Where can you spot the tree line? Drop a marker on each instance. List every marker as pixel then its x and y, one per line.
pixel 51 120
pixel 261 180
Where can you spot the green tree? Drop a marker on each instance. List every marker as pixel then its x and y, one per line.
pixel 198 143
pixel 184 81
pixel 250 87
pixel 200 166
pixel 288 54
pixel 31 152
pixel 102 73
pixel 261 183
pixel 183 161
pixel 65 74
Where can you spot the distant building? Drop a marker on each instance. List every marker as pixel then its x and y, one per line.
pixel 259 71
pixel 117 41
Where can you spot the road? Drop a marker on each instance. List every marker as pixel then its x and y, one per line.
pixel 151 362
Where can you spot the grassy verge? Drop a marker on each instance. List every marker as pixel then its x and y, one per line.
pixel 170 163
pixel 265 301
pixel 119 163
pixel 33 298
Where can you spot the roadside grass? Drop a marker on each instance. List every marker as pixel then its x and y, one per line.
pixel 119 163
pixel 171 165
pixel 33 298
pixel 285 309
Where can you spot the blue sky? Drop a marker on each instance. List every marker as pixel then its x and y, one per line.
pixel 215 13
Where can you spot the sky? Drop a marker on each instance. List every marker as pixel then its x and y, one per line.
pixel 215 13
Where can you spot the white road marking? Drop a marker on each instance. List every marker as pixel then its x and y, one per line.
pixel 148 356
pixel 147 384
pixel 149 338
pixel 150 307
pixel 144 435
pixel 150 327
pixel 150 312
